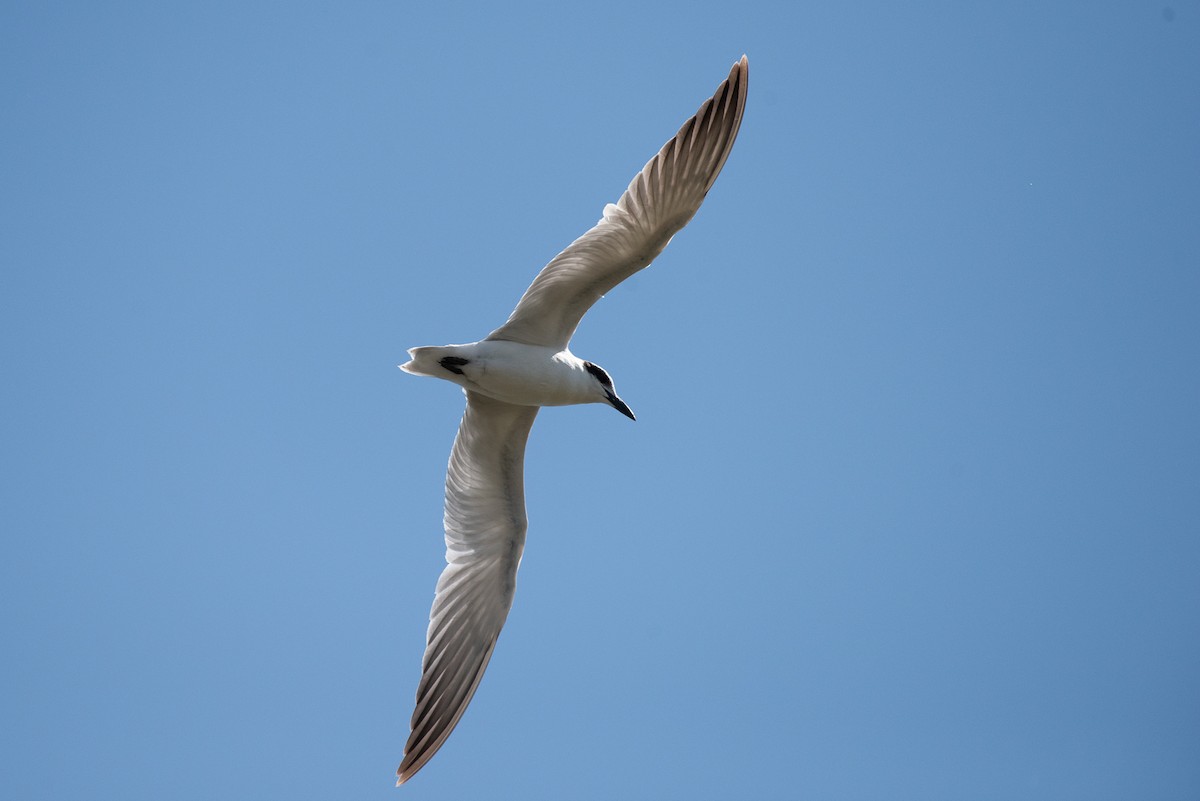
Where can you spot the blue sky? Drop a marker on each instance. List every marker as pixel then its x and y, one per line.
pixel 912 505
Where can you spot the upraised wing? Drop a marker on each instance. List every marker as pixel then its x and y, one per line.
pixel 485 533
pixel 658 203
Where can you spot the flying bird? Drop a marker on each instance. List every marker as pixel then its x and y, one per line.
pixel 518 368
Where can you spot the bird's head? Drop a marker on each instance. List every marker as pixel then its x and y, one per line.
pixel 604 388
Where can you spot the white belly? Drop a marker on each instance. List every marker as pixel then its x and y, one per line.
pixel 526 375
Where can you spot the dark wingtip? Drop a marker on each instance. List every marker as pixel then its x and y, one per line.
pixel 740 68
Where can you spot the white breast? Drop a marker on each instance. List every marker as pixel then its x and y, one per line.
pixel 528 375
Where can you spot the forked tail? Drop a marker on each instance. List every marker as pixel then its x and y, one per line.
pixel 436 361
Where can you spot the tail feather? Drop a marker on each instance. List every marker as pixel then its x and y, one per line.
pixel 421 361
pixel 428 361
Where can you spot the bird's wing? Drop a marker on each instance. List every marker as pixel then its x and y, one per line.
pixel 658 203
pixel 485 532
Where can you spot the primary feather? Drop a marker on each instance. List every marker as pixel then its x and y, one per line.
pixel 658 203
pixel 485 533
pixel 526 360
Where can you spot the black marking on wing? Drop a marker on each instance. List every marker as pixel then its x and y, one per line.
pixel 453 363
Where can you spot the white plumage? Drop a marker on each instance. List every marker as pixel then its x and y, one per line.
pixel 521 366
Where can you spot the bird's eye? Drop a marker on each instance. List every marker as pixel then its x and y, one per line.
pixel 599 373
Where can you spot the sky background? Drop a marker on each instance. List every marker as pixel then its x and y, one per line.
pixel 912 505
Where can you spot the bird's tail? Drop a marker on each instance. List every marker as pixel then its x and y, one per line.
pixel 428 360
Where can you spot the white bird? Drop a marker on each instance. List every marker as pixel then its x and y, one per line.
pixel 521 366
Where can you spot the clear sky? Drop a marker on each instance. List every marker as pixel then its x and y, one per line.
pixel 912 506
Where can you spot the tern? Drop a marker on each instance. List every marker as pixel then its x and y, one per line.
pixel 518 368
